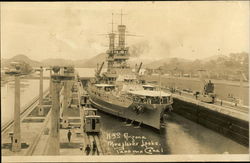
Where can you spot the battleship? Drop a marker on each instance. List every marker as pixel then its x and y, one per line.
pixel 121 92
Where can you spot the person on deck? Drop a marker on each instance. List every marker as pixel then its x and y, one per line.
pixel 94 148
pixel 87 150
pixel 69 135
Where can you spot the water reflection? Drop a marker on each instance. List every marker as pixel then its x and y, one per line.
pixel 29 89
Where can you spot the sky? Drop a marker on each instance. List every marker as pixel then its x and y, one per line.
pixel 75 30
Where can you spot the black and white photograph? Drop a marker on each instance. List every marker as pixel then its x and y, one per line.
pixel 125 81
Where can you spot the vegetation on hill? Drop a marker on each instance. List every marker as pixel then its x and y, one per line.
pixel 24 62
pixel 222 67
pixel 20 58
pixel 25 68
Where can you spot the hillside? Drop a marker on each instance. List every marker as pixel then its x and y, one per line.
pixel 217 67
pixel 220 65
pixel 86 63
pixel 214 57
pixel 20 58
pixel 162 62
pixel 57 61
pixel 92 62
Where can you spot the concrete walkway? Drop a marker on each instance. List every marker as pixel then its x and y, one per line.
pixel 29 132
pixel 78 140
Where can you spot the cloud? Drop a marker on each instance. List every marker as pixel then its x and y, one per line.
pixel 66 41
pixel 176 29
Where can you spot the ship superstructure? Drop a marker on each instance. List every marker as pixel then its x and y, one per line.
pixel 119 90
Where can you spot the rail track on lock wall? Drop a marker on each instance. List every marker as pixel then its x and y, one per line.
pixel 90 137
pixel 95 138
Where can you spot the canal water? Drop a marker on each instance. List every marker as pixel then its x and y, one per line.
pixel 180 136
pixel 29 89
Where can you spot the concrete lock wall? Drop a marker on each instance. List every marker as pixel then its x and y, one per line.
pixel 236 129
pixel 54 137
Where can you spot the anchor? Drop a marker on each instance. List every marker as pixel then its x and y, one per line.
pixel 139 126
pixel 130 124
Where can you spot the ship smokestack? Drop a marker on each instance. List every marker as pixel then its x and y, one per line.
pixel 121 30
pixel 111 41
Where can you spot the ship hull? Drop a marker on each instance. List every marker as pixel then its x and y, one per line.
pixel 149 117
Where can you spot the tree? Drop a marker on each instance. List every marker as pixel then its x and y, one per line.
pixel 25 68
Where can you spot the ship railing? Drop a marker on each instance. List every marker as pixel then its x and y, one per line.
pixel 151 100
pixel 109 58
pixel 112 97
pixel 121 57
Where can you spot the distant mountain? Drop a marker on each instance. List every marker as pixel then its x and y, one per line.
pixel 20 58
pixel 98 59
pixel 214 57
pixel 162 62
pixel 86 63
pixel 92 62
pixel 57 61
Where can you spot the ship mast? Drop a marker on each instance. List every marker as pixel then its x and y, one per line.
pixel 117 55
pixel 121 16
pixel 112 37
pixel 110 52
